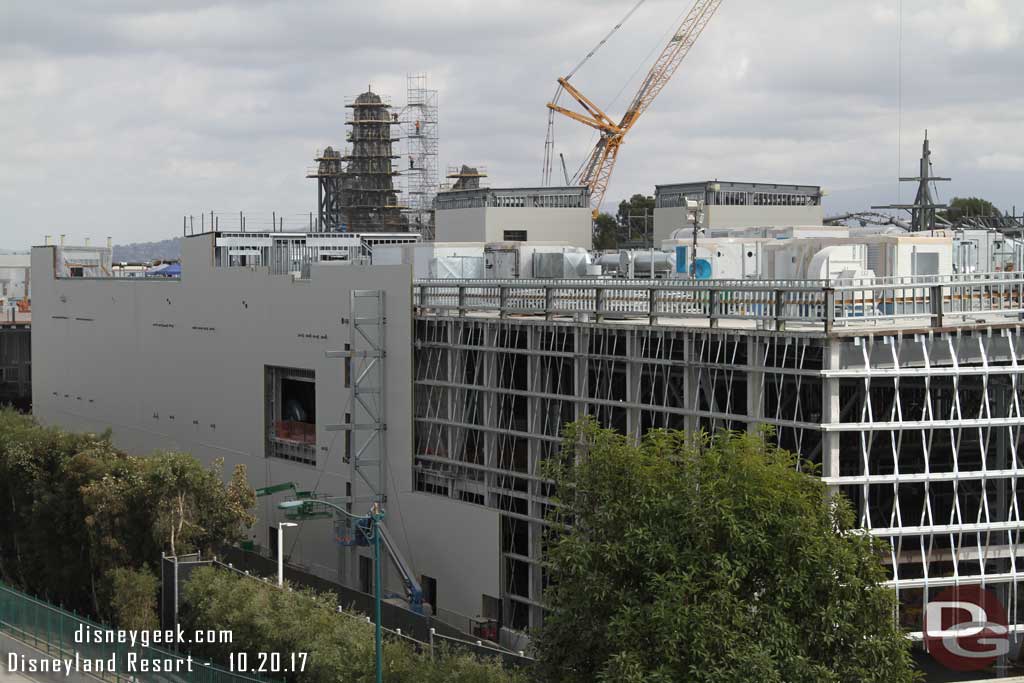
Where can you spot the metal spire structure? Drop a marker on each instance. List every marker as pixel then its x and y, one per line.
pixel 328 191
pixel 369 198
pixel 923 210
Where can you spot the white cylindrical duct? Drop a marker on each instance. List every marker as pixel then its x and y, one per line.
pixel 664 262
pixel 609 262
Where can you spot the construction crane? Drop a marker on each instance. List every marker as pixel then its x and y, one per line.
pixel 596 172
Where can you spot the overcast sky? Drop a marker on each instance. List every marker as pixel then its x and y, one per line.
pixel 119 116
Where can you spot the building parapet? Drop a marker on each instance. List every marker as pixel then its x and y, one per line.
pixel 725 193
pixel 809 305
pixel 571 197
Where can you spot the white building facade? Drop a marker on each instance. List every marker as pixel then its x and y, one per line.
pixel 736 205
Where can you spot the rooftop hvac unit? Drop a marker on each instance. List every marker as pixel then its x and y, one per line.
pixel 457 268
pixel 512 260
pixel 501 263
pixel 559 265
pixel 830 261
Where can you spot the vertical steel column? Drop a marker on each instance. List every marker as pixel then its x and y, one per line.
pixel 690 379
pixel 581 338
pixel 489 344
pixel 634 371
pixel 454 358
pixel 830 412
pixel 755 383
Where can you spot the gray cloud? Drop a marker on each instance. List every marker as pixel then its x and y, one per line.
pixel 119 116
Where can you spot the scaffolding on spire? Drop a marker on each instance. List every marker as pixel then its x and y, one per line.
pixel 420 167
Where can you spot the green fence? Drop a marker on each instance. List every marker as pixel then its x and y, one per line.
pixel 52 631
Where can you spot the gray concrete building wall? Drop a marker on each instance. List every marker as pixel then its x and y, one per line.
pixel 181 364
pixel 461 225
pixel 538 224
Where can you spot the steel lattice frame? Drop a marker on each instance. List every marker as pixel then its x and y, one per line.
pixel 920 431
pixel 420 129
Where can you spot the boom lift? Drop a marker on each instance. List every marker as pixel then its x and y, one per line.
pixel 358 534
pixel 413 590
pixel 597 171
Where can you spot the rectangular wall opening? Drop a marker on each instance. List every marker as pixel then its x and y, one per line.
pixel 290 398
pixel 429 585
pixel 365 574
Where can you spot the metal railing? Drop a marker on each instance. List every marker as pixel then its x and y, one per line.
pixel 435 641
pixel 122 277
pixel 52 630
pixel 931 301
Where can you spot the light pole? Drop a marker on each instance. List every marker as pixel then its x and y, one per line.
pixel 280 550
pixel 695 214
pixel 376 516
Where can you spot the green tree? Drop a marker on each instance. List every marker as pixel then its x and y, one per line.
pixel 42 548
pixel 712 561
pixel 193 509
pixel 74 508
pixel 638 204
pixel 605 232
pixel 965 207
pixel 132 598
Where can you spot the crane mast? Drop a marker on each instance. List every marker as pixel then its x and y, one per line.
pixel 597 171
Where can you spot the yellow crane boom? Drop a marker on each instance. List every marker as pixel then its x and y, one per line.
pixel 597 171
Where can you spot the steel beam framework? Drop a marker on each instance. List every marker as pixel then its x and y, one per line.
pixel 920 430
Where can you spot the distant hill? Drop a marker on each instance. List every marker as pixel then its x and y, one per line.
pixel 148 251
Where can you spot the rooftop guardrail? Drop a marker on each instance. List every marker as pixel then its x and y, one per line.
pixel 927 301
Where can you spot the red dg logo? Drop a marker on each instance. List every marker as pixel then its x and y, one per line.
pixel 965 628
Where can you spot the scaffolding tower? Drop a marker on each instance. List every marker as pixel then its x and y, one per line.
pixel 420 171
